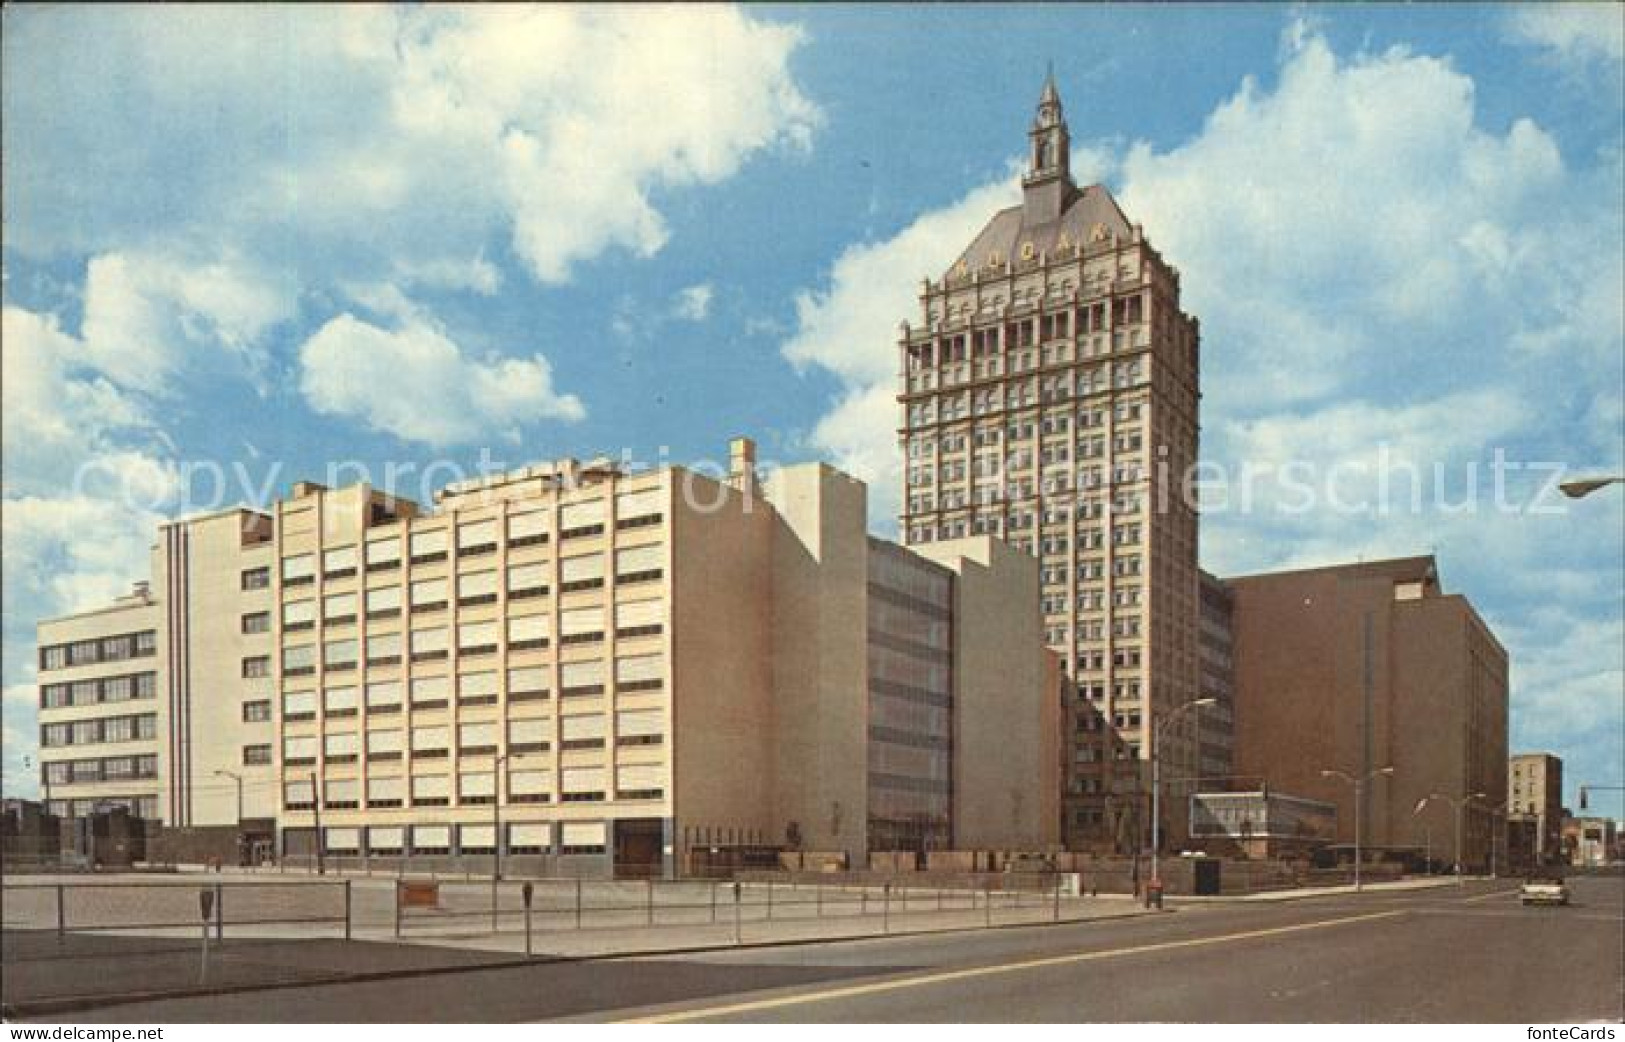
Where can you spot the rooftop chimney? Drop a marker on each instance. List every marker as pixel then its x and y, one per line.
pixel 742 465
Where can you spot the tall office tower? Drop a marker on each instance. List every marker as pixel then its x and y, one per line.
pixel 1049 396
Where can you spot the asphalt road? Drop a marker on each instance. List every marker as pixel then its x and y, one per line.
pixel 1455 955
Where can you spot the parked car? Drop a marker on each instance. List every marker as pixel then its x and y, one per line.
pixel 1544 890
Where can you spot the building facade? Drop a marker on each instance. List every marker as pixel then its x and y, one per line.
pixel 1356 668
pixel 1049 397
pixel 648 672
pixel 1535 794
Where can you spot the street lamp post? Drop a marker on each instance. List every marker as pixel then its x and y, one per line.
pixel 1359 792
pixel 1460 805
pixel 241 846
pixel 1156 780
pixel 496 833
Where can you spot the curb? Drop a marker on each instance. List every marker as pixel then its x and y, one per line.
pixel 77 1004
pixel 1280 896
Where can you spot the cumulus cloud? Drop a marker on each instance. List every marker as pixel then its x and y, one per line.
pixel 1570 31
pixel 693 304
pixel 416 383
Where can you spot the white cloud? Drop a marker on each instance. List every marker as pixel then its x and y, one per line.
pixel 1571 31
pixel 416 383
pixel 693 304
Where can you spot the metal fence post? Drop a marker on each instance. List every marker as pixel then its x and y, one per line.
pixel 398 909
pixel 1056 917
pixel 770 889
pixel 738 929
pixel 649 903
pixel 578 902
pixel 818 900
pixel 988 903
pixel 347 907
pixel 713 901
pixel 61 911
pixel 885 911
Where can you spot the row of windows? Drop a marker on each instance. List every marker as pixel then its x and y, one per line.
pixel 141 806
pixel 473 838
pixel 103 649
pixel 523 785
pixel 104 769
pixel 948 407
pixel 532 734
pixel 101 730
pixel 96 692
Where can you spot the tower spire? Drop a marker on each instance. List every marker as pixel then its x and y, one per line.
pixel 1048 184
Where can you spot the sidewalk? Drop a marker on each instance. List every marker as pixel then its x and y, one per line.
pixel 1302 893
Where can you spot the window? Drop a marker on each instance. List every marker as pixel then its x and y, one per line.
pixel 340 654
pixel 256 578
pixel 581 784
pixel 585 572
pixel 383 649
pixel 528 631
pixel 639 618
pixel 582 837
pixel 530 736
pixel 299 705
pixel 340 701
pixel 476 537
pixel 636 509
pixel 430 740
pixel 339 608
pixel 582 731
pixel 298 570
pixel 429 644
pixel 581 625
pixel 257 712
pixel 118 729
pixel 383 554
pixel 257 622
pixel 298 615
pixel 384 839
pixel 527 529
pixel 428 546
pixel 639 563
pixel 639 727
pixel 117 689
pixel 342 840
pixel 579 519
pixel 384 744
pixel 383 602
pixel 430 839
pixel 299 795
pixel 640 672
pixel 256 755
pixel 529 785
pixel 430 692
pixel 527 682
pixel 581 678
pixel 339 562
pixel 341 747
pixel 428 595
pixel 430 790
pixel 475 786
pixel 477 688
pixel 525 838
pixel 527 580
pixel 384 697
pixel 476 738
pixel 477 638
pixel 640 781
pixel 298 749
pixel 477 588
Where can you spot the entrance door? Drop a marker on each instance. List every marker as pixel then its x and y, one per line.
pixel 638 848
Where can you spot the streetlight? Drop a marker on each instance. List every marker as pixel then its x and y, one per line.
pixel 1581 487
pixel 1460 804
pixel 241 846
pixel 496 832
pixel 1156 779
pixel 1359 790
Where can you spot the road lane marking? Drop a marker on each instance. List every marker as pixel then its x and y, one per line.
pixel 1486 897
pixel 851 991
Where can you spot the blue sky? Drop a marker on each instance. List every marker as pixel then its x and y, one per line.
pixel 278 238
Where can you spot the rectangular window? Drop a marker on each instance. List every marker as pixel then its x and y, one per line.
pixel 530 785
pixel 383 649
pixel 527 529
pixel 384 839
pixel 534 735
pixel 430 839
pixel 339 562
pixel 299 749
pixel 477 688
pixel 639 563
pixel 640 672
pixel 340 654
pixel 299 660
pixel 430 739
pixel 256 578
pixel 475 787
pixel 584 518
pixel 638 506
pixel 584 572
pixel 477 537
pixel 582 837
pixel 430 692
pixel 384 696
pixel 117 689
pixel 257 622
pixel 383 602
pixel 429 644
pixel 528 682
pixel 341 745
pixel 385 744
pixel 256 755
pixel 118 729
pixel 299 795
pixel 579 784
pixel 477 638
pixel 477 588
pixel 340 701
pixel 299 705
pixel 341 840
pixel 527 580
pixel 579 625
pixel 639 727
pixel 298 569
pixel 581 678
pixel 528 631
pixel 383 553
pixel 639 618
pixel 430 790
pixel 582 731
pixel 476 738
pixel 428 594
pixel 428 545
pixel 298 615
pixel 640 781
pixel 257 712
pixel 339 608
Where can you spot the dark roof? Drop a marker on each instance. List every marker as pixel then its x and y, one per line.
pixel 1008 230
pixel 1398 569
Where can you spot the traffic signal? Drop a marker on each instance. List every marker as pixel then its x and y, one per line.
pixel 1582 797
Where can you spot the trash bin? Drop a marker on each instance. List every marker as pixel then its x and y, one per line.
pixel 1153 893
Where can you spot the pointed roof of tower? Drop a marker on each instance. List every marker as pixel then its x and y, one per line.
pixel 1050 95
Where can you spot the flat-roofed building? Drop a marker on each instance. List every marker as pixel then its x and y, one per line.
pixel 1535 794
